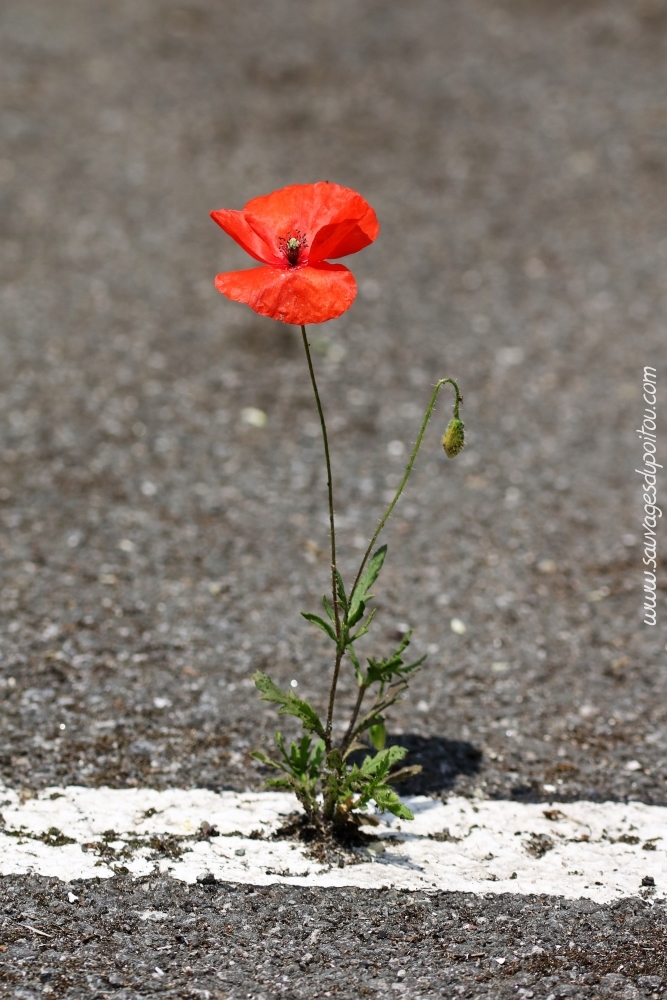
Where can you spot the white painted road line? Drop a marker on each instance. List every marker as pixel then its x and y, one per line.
pixel 601 851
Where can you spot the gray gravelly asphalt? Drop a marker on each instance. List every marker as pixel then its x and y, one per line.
pixel 157 549
pixel 157 936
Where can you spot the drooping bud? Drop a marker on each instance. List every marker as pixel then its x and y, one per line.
pixel 453 439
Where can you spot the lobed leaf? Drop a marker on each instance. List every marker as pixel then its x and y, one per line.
pixel 387 800
pixel 383 670
pixel 382 761
pixel 361 594
pixel 290 704
pixel 284 784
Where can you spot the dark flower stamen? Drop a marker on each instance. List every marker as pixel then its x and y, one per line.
pixel 291 247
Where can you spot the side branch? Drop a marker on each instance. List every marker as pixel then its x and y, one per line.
pixel 457 402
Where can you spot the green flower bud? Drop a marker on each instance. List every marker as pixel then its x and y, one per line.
pixel 453 440
pixel 378 735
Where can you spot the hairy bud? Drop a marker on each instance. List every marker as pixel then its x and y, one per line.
pixel 378 735
pixel 453 440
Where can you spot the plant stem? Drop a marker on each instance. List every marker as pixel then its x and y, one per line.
pixel 408 470
pixel 347 739
pixel 332 531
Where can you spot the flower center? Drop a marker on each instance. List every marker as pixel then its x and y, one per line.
pixel 291 247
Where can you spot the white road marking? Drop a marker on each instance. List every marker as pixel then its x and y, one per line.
pixel 581 849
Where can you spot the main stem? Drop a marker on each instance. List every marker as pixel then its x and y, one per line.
pixel 332 532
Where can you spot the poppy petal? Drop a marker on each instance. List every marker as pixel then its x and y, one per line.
pixel 235 225
pixel 300 295
pixel 342 238
pixel 308 208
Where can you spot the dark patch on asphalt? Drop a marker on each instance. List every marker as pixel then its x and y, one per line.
pixel 442 762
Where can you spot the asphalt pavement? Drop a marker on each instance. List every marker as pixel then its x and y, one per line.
pixel 159 538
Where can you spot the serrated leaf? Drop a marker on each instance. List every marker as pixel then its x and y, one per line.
pixel 282 783
pixel 388 801
pixel 413 666
pixel 384 670
pixel 340 588
pixel 382 761
pixel 304 759
pixel 280 743
pixel 291 705
pixel 329 610
pixel 361 591
pixel 320 624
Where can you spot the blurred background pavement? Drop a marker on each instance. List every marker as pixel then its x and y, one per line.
pixel 159 535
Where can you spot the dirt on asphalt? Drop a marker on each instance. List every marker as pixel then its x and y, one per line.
pixel 157 548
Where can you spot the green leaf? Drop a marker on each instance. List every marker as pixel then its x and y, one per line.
pixel 329 610
pixel 357 613
pixel 320 624
pixel 387 800
pixel 340 587
pixel 282 783
pixel 378 735
pixel 379 764
pixel 383 671
pixel 304 759
pixel 355 662
pixel 361 592
pixel 290 704
pixel 264 758
pixel 366 625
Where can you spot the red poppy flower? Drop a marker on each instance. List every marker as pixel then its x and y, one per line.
pixel 292 232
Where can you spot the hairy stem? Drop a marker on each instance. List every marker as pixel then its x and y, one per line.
pixel 408 470
pixel 332 531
